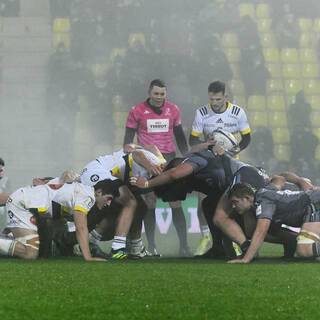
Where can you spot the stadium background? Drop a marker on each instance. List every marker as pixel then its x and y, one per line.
pixel 71 70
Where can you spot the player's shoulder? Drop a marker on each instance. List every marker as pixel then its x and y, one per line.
pixel 235 110
pixel 138 107
pixel 82 188
pixel 171 105
pixel 203 110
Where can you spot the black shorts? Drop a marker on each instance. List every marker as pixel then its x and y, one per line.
pixel 256 177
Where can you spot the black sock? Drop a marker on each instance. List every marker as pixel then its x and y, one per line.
pixel 150 226
pixel 179 221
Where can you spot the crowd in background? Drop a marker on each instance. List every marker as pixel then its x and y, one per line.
pixel 177 41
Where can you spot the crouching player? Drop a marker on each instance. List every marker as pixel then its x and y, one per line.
pixel 24 205
pixel 127 216
pixel 269 204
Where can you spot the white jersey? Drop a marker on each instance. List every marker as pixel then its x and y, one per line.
pixel 233 119
pixel 71 196
pixel 114 167
pixel 138 170
pixel 104 167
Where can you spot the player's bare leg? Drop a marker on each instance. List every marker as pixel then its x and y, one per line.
pixel 24 244
pixel 150 222
pixel 309 240
pixel 179 221
pixel 125 218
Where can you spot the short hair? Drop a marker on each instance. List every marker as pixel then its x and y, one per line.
pixel 217 86
pixel 241 190
pixel 1 162
pixel 157 83
pixel 108 186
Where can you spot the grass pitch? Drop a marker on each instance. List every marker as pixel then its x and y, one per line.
pixel 164 288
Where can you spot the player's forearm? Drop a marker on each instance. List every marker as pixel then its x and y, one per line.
pixel 245 140
pixel 194 140
pixel 257 240
pixel 298 181
pixel 140 158
pixel 164 178
pixel 82 233
pixel 200 146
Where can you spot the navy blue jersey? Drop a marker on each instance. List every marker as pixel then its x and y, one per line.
pixel 284 206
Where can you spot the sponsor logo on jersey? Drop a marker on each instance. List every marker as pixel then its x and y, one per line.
pixel 94 178
pixel 258 210
pixel 230 124
pixel 146 112
pixel 158 125
pixel 219 120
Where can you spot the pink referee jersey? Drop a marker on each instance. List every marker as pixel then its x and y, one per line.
pixel 153 128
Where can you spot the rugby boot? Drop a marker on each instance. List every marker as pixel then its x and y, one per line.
pixel 119 254
pixel 204 246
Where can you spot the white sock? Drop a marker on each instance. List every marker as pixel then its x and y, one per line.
pixel 118 243
pixel 94 236
pixel 205 231
pixel 7 246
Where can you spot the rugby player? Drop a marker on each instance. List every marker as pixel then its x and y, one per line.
pixel 121 165
pixel 157 121
pixel 293 208
pixel 219 113
pixel 25 204
pixel 4 187
pixel 212 175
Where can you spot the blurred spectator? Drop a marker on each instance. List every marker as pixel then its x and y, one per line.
pixel 254 74
pixel 211 64
pixel 248 36
pixel 286 32
pixel 303 145
pixel 261 148
pixel 218 16
pixel 138 67
pixel 299 113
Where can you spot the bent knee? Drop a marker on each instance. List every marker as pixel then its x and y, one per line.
pixel 304 250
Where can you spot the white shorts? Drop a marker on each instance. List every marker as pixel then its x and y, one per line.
pixel 18 216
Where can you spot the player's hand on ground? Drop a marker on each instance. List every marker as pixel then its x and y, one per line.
pixel 139 182
pixel 154 169
pixel 237 261
pixel 96 259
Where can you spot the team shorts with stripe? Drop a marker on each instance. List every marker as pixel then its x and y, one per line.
pixel 18 216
